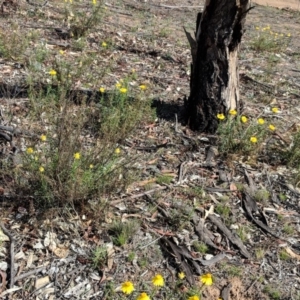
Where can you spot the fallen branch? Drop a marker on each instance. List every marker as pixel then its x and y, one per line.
pixel 12 255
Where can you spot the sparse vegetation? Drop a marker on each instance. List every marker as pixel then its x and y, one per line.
pixel 78 82
pixel 273 293
pixel 99 257
pixel 123 232
pixel 200 247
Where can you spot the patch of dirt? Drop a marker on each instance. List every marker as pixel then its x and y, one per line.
pixel 292 4
pixel 54 248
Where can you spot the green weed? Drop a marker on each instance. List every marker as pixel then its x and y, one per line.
pixel 164 179
pixel 123 232
pixel 267 40
pixel 272 292
pixel 99 257
pixel 200 247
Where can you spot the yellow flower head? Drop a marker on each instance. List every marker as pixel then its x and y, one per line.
pixel 102 90
pixel 158 280
pixel 220 116
pixel 253 139
pixel 118 85
pixel 288 35
pixel 123 90
pixel 41 169
pixel 29 150
pixel 143 296
pixel 275 110
pixel 62 52
pixel 94 2
pixel 52 72
pixel 206 279
pixel 261 121
pixel 77 155
pixel 244 119
pixel 233 112
pixel 127 287
pixel 104 44
pixel 143 87
pixel 91 166
pixel 194 298
pixel 272 127
pixel 118 151
pixel 181 275
pixel 43 138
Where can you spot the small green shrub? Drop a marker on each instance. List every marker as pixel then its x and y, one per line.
pixel 99 257
pixel 200 247
pixel 123 232
pixel 272 292
pixel 267 40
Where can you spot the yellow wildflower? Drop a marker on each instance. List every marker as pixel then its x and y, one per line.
pixel 194 298
pixel 275 110
pixel 62 52
pixel 77 155
pixel 43 138
pixel 206 279
pixel 91 166
pixel 272 127
pixel 123 90
pixel 158 280
pixel 288 35
pixel 233 112
pixel 118 151
pixel 244 119
pixel 94 2
pixel 127 287
pixel 41 169
pixel 253 139
pixel 104 44
pixel 181 275
pixel 118 85
pixel 260 121
pixel 143 87
pixel 102 90
pixel 143 296
pixel 52 72
pixel 29 150
pixel 220 116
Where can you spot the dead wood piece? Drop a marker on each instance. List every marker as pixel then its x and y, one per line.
pixel 204 234
pixel 247 201
pixel 3 281
pixel 5 137
pixel 211 153
pixel 234 240
pixel 182 255
pixel 225 292
pixel 212 261
pixel 12 255
pixel 39 269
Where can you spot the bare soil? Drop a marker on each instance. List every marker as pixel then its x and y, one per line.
pixel 53 247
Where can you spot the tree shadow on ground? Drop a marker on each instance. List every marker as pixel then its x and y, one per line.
pixel 170 110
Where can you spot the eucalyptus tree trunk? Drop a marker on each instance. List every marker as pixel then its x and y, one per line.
pixel 214 83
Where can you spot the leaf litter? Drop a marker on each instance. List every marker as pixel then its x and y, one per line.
pixel 53 250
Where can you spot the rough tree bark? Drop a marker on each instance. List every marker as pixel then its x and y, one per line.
pixel 214 83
